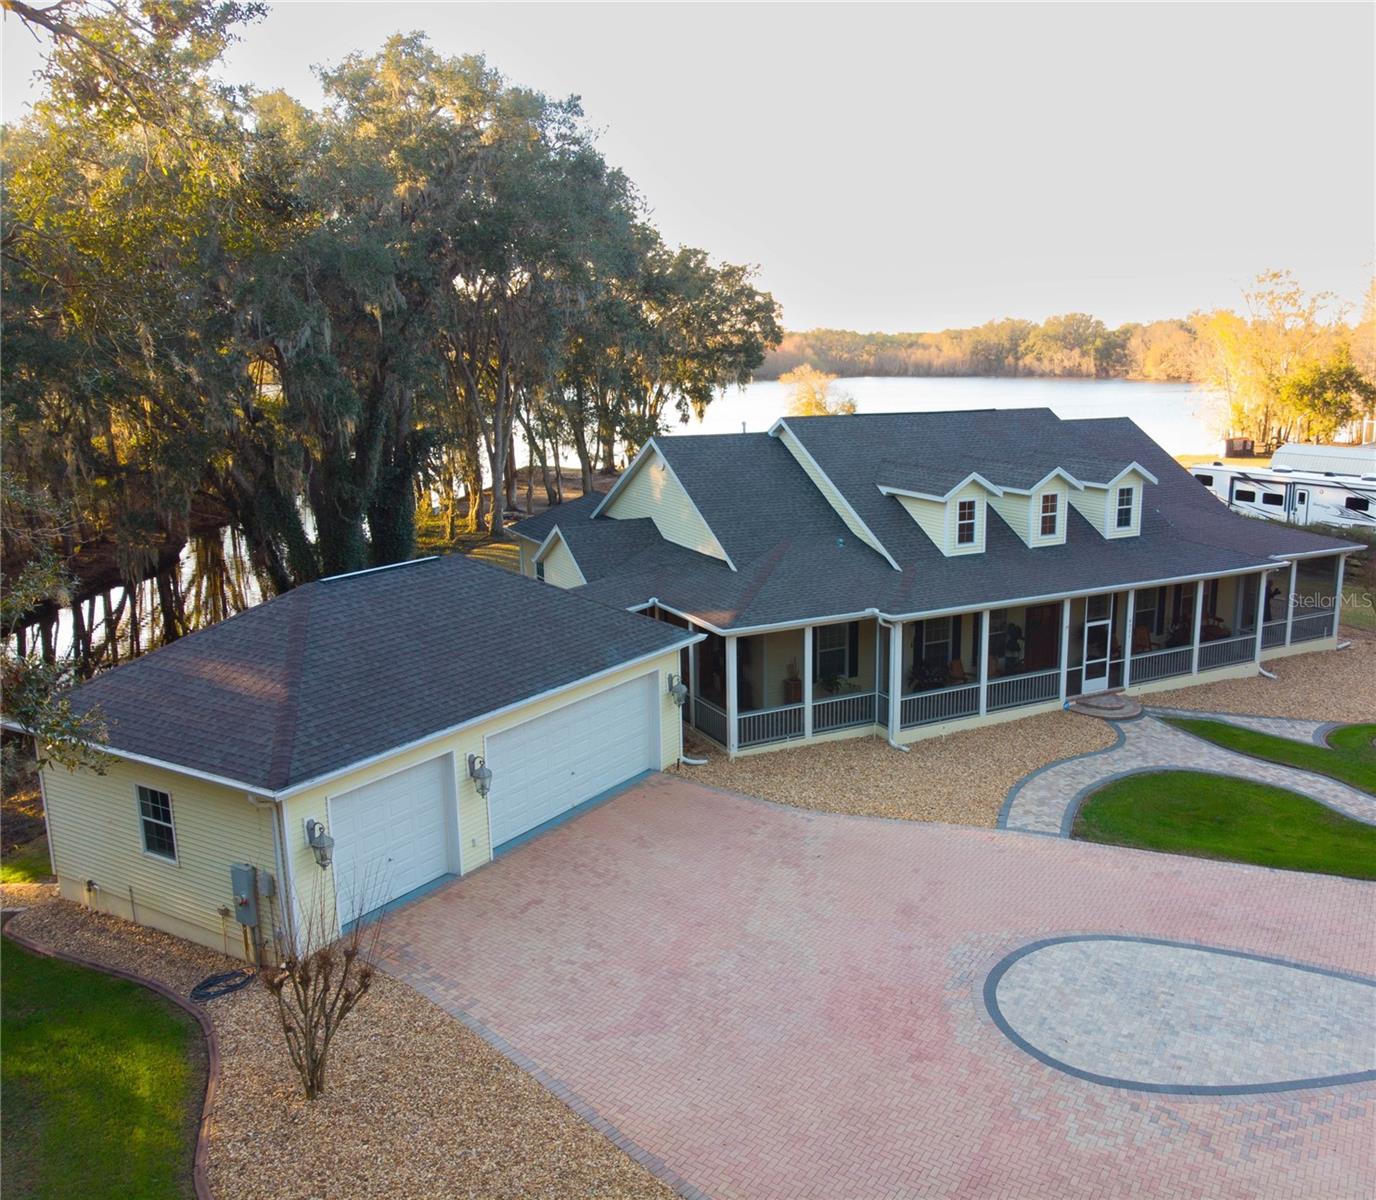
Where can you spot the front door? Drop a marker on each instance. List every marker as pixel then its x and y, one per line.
pixel 1098 640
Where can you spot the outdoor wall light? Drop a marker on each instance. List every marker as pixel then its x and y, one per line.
pixel 480 773
pixel 678 690
pixel 321 843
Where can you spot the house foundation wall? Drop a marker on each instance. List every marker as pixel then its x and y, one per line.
pixel 1328 643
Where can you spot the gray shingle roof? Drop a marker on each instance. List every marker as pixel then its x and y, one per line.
pixel 343 669
pixel 797 561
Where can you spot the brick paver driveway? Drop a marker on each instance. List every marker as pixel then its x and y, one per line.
pixel 764 1002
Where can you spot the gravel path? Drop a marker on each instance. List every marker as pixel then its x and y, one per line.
pixel 960 779
pixel 1331 685
pixel 1047 801
pixel 1313 732
pixel 417 1106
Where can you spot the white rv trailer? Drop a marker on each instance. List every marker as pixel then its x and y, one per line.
pixel 1280 493
pixel 1340 460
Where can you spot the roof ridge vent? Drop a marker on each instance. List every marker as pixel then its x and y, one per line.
pixel 410 562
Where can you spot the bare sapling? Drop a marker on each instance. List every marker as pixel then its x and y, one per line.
pixel 319 983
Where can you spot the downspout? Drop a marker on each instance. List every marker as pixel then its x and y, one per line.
pixel 286 888
pixel 895 693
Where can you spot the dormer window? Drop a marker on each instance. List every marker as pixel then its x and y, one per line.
pixel 1126 500
pixel 967 513
pixel 1050 515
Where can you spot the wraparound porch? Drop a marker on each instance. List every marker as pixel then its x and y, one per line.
pixel 914 678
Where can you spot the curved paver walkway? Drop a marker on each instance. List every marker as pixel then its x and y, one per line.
pixel 1047 800
pixel 1286 727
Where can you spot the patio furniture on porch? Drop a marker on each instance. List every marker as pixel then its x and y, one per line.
pixel 1213 629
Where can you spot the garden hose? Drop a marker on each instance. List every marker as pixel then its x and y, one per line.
pixel 220 985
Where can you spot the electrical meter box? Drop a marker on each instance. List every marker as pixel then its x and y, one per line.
pixel 243 882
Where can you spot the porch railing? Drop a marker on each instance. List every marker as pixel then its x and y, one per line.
pixel 771 725
pixel 943 704
pixel 1227 651
pixel 1162 664
pixel 842 712
pixel 1272 634
pixel 881 708
pixel 1306 629
pixel 709 719
pixel 1016 690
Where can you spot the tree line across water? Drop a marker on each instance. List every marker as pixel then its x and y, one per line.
pixel 225 311
pixel 1289 366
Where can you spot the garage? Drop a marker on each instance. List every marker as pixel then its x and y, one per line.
pixel 544 767
pixel 392 836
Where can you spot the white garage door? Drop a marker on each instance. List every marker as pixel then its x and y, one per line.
pixel 390 837
pixel 545 767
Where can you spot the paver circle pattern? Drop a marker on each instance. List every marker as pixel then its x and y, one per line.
pixel 1047 800
pixel 1164 1016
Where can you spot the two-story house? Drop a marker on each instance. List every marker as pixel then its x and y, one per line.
pixel 913 573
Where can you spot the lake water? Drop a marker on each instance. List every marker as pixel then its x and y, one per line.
pixel 1179 416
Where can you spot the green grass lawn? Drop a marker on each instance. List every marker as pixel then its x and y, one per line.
pixel 101 1097
pixel 1358 612
pixel 1351 758
pixel 28 864
pixel 1215 816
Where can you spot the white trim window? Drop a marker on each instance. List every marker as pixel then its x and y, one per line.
pixel 540 570
pixel 1050 524
pixel 936 640
pixel 155 823
pixel 967 522
pixel 1125 508
pixel 833 652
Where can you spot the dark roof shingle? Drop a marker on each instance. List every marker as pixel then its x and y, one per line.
pixel 343 669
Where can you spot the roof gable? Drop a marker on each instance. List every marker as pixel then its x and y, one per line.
pixel 833 495
pixel 651 488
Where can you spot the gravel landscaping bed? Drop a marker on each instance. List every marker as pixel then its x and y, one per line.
pixel 417 1104
pixel 961 778
pixel 1325 686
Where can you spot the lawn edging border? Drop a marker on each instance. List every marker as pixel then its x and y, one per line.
pixel 1319 737
pixel 1274 762
pixel 200 1173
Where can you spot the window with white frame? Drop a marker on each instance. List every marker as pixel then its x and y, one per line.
pixel 833 652
pixel 155 820
pixel 967 517
pixel 936 640
pixel 1126 500
pixel 540 571
pixel 1051 514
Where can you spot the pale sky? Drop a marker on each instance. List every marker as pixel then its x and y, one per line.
pixel 931 166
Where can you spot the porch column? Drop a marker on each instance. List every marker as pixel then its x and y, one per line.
pixel 1262 584
pixel 1338 594
pixel 1290 599
pixel 733 731
pixel 807 681
pixel 895 680
pixel 1198 622
pixel 1065 646
pixel 1127 638
pixel 984 662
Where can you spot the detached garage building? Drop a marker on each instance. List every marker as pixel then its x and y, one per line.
pixel 352 707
